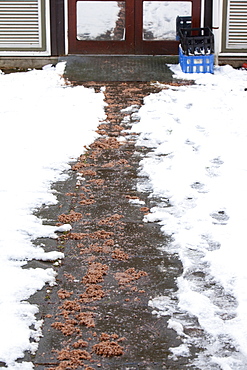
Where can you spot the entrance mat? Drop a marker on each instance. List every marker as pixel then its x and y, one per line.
pixel 81 68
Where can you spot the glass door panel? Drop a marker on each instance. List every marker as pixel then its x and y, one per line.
pixel 159 18
pixel 155 27
pixel 101 26
pixel 100 20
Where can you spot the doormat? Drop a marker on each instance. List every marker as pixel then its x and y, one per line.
pixel 81 68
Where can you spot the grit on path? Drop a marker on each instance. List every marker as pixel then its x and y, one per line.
pixel 98 314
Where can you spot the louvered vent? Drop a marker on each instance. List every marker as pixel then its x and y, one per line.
pixel 237 24
pixel 20 24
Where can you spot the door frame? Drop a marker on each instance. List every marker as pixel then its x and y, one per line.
pixel 167 47
pixel 133 43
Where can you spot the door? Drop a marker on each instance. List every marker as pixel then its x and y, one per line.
pixel 127 26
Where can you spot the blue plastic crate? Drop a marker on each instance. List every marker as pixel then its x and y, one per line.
pixel 196 63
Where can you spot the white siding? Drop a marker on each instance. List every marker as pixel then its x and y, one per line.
pixel 236 30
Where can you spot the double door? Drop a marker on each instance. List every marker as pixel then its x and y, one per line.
pixel 127 26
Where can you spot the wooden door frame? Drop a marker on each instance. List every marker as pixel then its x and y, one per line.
pixel 166 47
pixel 133 44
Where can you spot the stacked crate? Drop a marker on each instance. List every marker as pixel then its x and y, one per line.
pixel 196 50
pixel 182 22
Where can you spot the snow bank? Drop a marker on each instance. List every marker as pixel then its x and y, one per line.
pixel 197 166
pixel 45 124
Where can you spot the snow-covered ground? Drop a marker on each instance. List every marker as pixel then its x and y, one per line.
pixel 44 125
pixel 197 166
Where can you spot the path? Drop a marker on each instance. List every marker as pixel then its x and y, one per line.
pixel 98 314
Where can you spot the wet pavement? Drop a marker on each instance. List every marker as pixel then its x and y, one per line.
pixel 97 316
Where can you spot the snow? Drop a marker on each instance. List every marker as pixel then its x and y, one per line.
pixel 177 326
pixel 197 137
pixel 44 125
pixel 63 228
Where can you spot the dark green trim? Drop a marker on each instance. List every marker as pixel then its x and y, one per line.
pixel 224 23
pixel 43 26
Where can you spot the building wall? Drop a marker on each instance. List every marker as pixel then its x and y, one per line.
pixel 38 27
